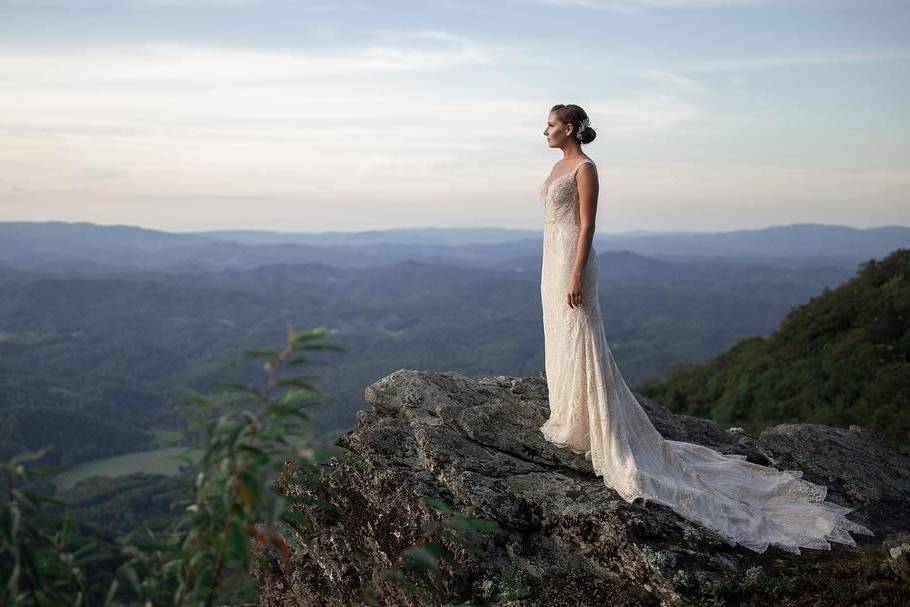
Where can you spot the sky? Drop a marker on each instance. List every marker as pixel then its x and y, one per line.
pixel 186 115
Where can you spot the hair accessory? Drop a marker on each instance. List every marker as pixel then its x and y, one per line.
pixel 582 126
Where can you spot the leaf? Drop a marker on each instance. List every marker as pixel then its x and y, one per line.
pixel 293 396
pixel 195 560
pixel 13 584
pixel 87 547
pixel 245 493
pixel 251 354
pixel 237 387
pixel 301 382
pixel 133 578
pixel 15 518
pixel 28 456
pixel 193 397
pixel 237 542
pixel 261 456
pixel 279 410
pixel 332 347
pixel 109 596
pixel 307 335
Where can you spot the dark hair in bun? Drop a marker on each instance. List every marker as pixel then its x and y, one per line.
pixel 574 115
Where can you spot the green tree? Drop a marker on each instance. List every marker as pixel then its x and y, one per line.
pixel 43 556
pixel 246 434
pixel 841 358
pixel 249 432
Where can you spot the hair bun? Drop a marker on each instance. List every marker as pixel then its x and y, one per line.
pixel 588 135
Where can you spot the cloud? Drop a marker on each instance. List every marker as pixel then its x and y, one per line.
pixel 681 76
pixel 169 64
pixel 33 4
pixel 640 5
pixel 666 78
pixel 189 120
pixel 205 3
pixel 749 63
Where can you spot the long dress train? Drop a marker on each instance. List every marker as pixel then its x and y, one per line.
pixel 593 412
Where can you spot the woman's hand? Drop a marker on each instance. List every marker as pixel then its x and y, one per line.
pixel 573 297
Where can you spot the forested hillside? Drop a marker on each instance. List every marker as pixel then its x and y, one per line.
pixel 841 358
pixel 95 365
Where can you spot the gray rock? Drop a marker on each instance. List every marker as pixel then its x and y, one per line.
pixel 570 539
pixel 859 469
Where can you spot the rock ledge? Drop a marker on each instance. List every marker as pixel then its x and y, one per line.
pixel 571 540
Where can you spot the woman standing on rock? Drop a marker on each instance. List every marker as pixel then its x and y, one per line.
pixel 593 412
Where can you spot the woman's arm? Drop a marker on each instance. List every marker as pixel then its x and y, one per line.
pixel 586 181
pixel 588 186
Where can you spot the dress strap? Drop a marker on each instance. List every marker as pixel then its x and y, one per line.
pixel 578 166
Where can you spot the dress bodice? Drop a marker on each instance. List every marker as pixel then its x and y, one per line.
pixel 560 197
pixel 560 247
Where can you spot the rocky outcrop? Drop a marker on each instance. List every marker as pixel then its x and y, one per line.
pixel 569 539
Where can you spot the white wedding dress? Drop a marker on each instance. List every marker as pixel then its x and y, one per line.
pixel 593 412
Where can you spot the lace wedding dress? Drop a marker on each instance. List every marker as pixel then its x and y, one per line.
pixel 593 412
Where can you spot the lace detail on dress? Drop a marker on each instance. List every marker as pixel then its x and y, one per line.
pixel 593 412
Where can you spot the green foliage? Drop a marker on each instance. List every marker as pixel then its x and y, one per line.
pixel 43 556
pixel 842 358
pixel 119 505
pixel 202 556
pixel 248 433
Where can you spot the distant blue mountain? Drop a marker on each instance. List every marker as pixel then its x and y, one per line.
pixel 89 249
pixel 412 236
pixel 801 240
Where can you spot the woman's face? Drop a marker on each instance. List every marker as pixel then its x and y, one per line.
pixel 555 131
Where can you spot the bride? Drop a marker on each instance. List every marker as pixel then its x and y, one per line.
pixel 593 412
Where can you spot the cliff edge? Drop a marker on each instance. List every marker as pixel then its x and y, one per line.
pixel 570 539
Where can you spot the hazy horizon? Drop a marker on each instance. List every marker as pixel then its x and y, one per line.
pixel 431 227
pixel 194 115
